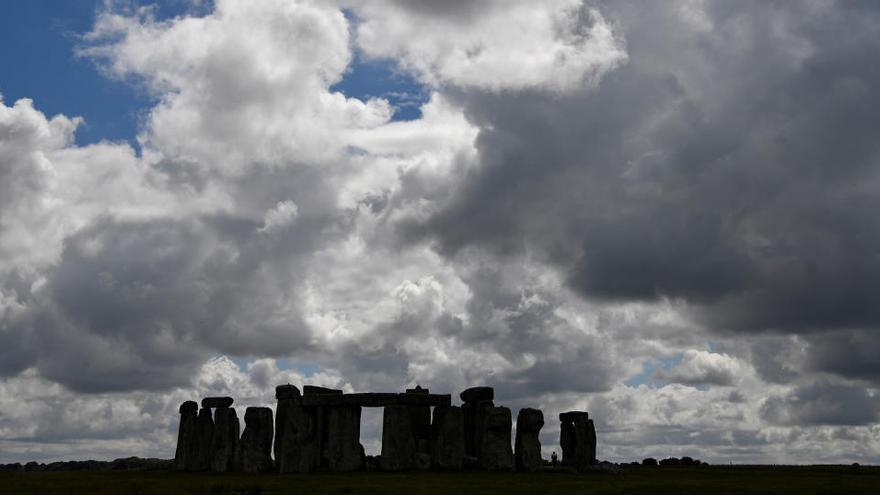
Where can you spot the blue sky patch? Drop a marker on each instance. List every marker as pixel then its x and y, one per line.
pixel 649 368
pixel 367 79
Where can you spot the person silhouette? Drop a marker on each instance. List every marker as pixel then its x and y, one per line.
pixel 553 458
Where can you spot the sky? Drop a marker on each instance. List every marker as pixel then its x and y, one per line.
pixel 663 213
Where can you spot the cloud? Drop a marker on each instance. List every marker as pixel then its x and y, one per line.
pixel 591 187
pixel 561 46
pixel 679 177
pixel 702 368
pixel 823 403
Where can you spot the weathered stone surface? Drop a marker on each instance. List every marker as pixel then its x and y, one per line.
pixel 189 405
pixel 527 445
pixel 281 411
pixel 255 445
pixel 286 392
pixel 574 416
pixel 342 450
pixel 376 400
pixel 420 417
pixel 297 449
pixel 447 438
pixel 422 461
pixel 205 435
pixel 316 390
pixel 577 437
pixel 217 402
pixel 496 452
pixel 398 441
pixel 475 425
pixel 477 394
pixel 591 441
pixel 187 453
pixel 224 442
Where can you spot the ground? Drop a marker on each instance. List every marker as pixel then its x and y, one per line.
pixel 657 480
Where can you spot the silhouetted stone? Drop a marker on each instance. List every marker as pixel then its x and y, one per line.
pixel 298 449
pixel 417 390
pixel 286 395
pixel 224 442
pixel 422 461
pixel 475 425
pixel 189 406
pixel 574 416
pixel 217 402
pixel 477 394
pixel 286 392
pixel 527 445
pixel 447 438
pixel 376 399
pixel 342 450
pixel 420 417
pixel 316 390
pixel 496 453
pixel 255 445
pixel 205 435
pixel 398 441
pixel 187 453
pixel 577 437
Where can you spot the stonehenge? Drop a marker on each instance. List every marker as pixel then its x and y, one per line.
pixel 319 430
pixel 447 438
pixel 186 455
pixel 255 446
pixel 527 446
pixel 577 437
pixel 224 441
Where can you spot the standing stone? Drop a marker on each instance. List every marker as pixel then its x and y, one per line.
pixel 286 395
pixel 342 447
pixel 224 443
pixel 475 426
pixel 527 451
pixel 421 423
pixel 398 441
pixel 447 432
pixel 254 448
pixel 496 452
pixel 186 455
pixel 205 435
pixel 299 450
pixel 591 441
pixel 577 437
pixel 477 400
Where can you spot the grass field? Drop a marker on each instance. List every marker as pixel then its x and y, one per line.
pixel 664 480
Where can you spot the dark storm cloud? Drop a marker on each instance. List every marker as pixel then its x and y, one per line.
pixel 140 305
pixel 822 403
pixel 732 165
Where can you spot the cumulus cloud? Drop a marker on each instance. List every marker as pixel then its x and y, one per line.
pixel 702 368
pixel 561 46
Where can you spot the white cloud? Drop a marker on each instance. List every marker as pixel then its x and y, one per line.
pixel 699 367
pixel 561 45
pixel 269 217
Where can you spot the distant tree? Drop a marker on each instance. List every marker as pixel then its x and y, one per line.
pixel 671 461
pixel 689 461
pixel 649 461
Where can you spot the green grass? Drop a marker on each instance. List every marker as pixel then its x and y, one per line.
pixel 663 480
